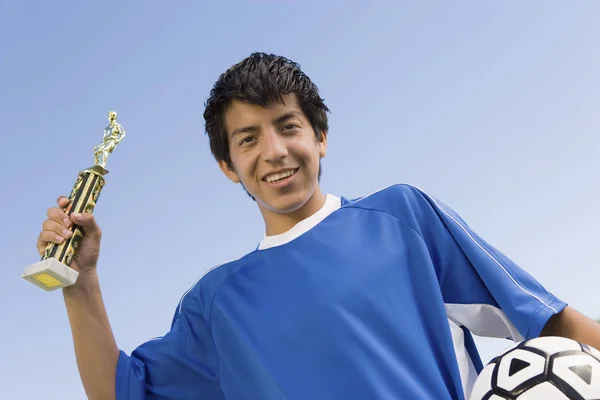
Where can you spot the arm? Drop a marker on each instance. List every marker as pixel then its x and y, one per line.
pixel 181 365
pixel 121 135
pixel 95 347
pixel 572 324
pixel 483 289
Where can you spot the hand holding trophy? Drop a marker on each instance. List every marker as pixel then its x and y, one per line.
pixel 53 271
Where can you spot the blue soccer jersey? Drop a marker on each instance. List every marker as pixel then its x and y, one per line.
pixel 374 298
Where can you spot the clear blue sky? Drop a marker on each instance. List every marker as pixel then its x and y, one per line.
pixel 493 107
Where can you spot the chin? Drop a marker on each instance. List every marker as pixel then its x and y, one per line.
pixel 287 203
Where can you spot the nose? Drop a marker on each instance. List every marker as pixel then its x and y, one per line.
pixel 274 148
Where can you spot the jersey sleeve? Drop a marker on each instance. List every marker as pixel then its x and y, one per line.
pixel 483 289
pixel 180 365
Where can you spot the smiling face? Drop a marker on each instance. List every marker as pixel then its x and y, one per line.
pixel 275 154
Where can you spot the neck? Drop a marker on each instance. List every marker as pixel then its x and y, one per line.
pixel 277 223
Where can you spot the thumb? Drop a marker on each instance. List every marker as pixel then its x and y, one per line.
pixel 87 223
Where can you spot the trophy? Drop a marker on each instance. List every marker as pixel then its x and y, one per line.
pixel 52 271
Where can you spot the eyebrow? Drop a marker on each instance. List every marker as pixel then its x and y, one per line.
pixel 244 129
pixel 276 121
pixel 286 116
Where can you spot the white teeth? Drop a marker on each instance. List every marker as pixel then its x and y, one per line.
pixel 276 177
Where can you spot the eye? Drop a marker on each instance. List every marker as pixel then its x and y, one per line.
pixel 290 127
pixel 246 140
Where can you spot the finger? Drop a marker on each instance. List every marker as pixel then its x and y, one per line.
pixel 47 237
pixel 62 201
pixel 88 224
pixel 56 227
pixel 58 215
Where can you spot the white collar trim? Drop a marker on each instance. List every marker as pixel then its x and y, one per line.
pixel 332 203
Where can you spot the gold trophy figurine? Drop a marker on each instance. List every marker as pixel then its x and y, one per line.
pixel 52 271
pixel 113 134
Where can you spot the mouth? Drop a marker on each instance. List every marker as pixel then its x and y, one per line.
pixel 280 177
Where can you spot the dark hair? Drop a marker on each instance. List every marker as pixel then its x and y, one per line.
pixel 260 79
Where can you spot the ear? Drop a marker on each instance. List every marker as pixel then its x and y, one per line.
pixel 322 143
pixel 229 172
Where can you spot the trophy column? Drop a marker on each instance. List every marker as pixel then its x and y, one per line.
pixel 53 271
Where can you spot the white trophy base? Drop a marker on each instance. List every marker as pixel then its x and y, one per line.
pixel 50 274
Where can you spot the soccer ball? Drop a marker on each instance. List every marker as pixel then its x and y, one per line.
pixel 546 368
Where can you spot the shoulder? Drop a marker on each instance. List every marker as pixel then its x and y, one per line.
pixel 393 199
pixel 198 298
pixel 407 203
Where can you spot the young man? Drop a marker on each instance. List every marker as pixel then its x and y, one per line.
pixel 373 298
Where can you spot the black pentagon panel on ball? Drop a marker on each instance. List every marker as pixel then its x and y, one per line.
pixel 520 370
pixel 517 365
